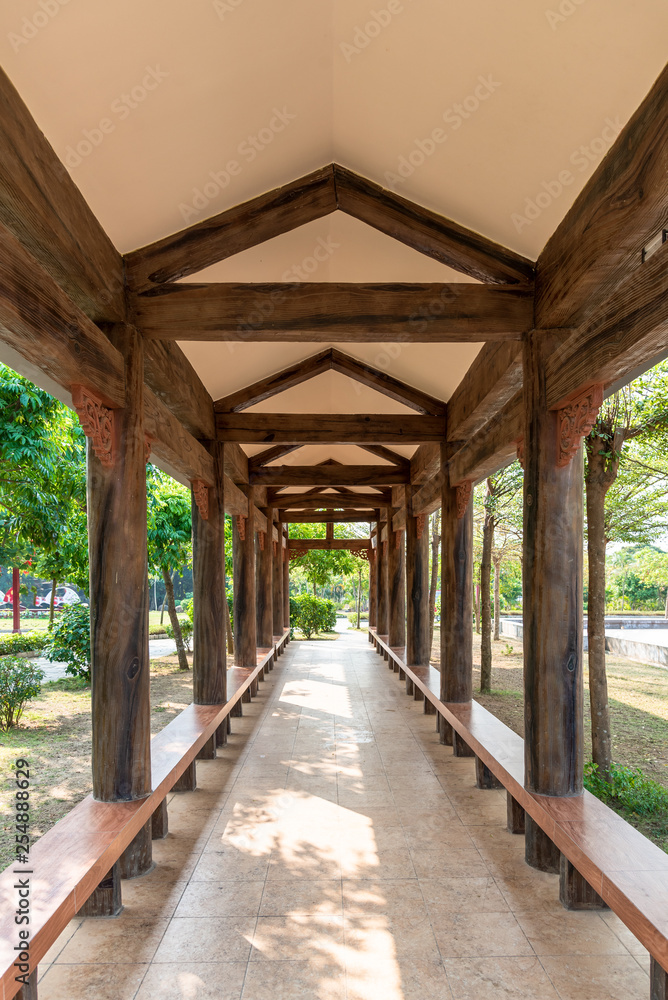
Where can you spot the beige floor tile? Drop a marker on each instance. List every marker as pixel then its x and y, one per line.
pixel 629 940
pixel 382 897
pixel 152 897
pixel 61 941
pixel 375 938
pixel 206 939
pixel 221 899
pixel 212 981
pixel 311 979
pixel 92 982
pixel 499 979
pixel 298 936
pixel 397 979
pixel 302 896
pixel 101 941
pixel 452 862
pixel 462 895
pixel 569 933
pixel 219 866
pixel 468 935
pixel 529 890
pixel 619 977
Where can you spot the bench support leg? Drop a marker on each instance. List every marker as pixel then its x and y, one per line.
pixel 515 815
pixel 253 689
pixel 410 687
pixel 29 990
pixel 137 858
pixel 658 981
pixel 429 708
pixel 188 780
pixel 105 901
pixel 460 747
pixel 396 667
pixel 160 822
pixel 236 709
pixel 221 732
pixel 575 893
pixel 402 674
pixel 208 751
pixel 484 777
pixel 246 696
pixel 539 850
pixel 446 733
pixel 418 695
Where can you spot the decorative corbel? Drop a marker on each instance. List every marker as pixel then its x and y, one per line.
pixel 575 420
pixel 97 421
pixel 463 497
pixel 241 527
pixel 421 520
pixel 201 495
pixel 519 444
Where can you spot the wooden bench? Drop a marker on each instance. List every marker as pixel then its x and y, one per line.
pixel 75 856
pixel 598 848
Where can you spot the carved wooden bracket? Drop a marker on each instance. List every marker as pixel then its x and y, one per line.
pixel 421 521
pixel 261 538
pixel 296 553
pixel 463 497
pixel 362 554
pixel 97 421
pixel 241 527
pixel 519 444
pixel 574 422
pixel 201 495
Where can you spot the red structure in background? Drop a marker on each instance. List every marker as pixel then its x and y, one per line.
pixel 16 601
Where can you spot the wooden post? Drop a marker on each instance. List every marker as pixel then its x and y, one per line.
pixel 264 584
pixel 658 979
pixel 373 596
pixel 116 501
pixel 243 554
pixel 396 625
pixel 160 821
pixel 29 990
pixel 137 858
pixel 286 585
pixel 277 587
pixel 105 900
pixel 456 599
pixel 417 587
pixel 188 780
pixel 209 639
pixel 381 582
pixel 515 815
pixel 575 893
pixel 484 777
pixel 552 601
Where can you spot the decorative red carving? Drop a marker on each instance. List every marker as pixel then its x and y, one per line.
pixel 97 421
pixel 201 495
pixel 574 422
pixel 421 521
pixel 262 535
pixel 241 527
pixel 463 497
pixel 366 554
pixel 296 553
pixel 519 444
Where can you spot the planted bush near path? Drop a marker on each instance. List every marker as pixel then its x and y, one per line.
pixel 22 642
pixel 20 680
pixel 312 614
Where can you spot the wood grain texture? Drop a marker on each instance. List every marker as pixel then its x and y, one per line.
pixel 173 444
pixel 326 311
pixel 344 516
pixel 396 583
pixel 173 379
pixel 232 231
pixel 492 447
pixel 334 475
pixel 380 451
pixel 373 590
pixel 116 504
pixel 425 463
pixel 599 242
pixel 243 554
pixel 552 594
pixel 328 428
pixel 352 544
pixel 456 596
pixel 427 232
pixel 418 636
pixel 391 387
pixel 236 463
pixel 209 595
pixel 264 618
pixel 43 208
pixel 271 454
pixel 492 380
pixel 286 586
pixel 382 581
pixel 277 580
pixel 302 501
pixel 236 501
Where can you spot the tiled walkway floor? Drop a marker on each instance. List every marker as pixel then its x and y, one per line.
pixel 336 850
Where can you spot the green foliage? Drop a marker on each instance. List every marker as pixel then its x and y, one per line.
pixel 628 790
pixel 69 641
pixel 186 631
pixel 169 523
pixel 22 642
pixel 157 630
pixel 20 680
pixel 352 618
pixel 320 565
pixel 312 615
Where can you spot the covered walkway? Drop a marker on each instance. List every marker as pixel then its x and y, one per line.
pixel 335 849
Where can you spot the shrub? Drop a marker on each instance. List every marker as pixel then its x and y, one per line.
pixel 313 614
pixel 352 618
pixel 156 630
pixel 628 790
pixel 20 680
pixel 22 642
pixel 186 632
pixel 69 641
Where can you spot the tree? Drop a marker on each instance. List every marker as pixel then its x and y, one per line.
pixel 433 579
pixel 169 541
pixel 618 487
pixel 319 565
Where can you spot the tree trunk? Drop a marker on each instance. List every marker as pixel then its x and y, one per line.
pixel 162 609
pixel 433 582
pixel 486 604
pixel 497 595
pixel 52 602
pixel 176 625
pixel 359 595
pixel 476 606
pixel 228 629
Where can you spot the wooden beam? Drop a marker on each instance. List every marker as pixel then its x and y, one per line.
pixel 276 312
pixel 43 208
pixel 271 454
pixel 236 501
pixel 308 475
pixel 425 463
pixel 236 463
pixel 267 387
pixel 232 231
pixel 303 501
pixel 327 516
pixel 493 378
pixel 427 232
pixel 390 456
pixel 391 387
pixel 492 447
pixel 172 443
pixel 171 377
pixel 599 242
pixel 352 544
pixel 328 428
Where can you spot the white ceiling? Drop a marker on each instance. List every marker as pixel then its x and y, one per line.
pixel 202 78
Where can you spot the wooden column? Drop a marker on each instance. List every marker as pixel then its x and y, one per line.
pixel 209 639
pixel 658 981
pixel 373 596
pixel 264 584
pixel 286 585
pixel 417 587
pixel 381 582
pixel 552 601
pixel 277 588
pixel 116 500
pixel 16 600
pixel 396 581
pixel 243 554
pixel 456 599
